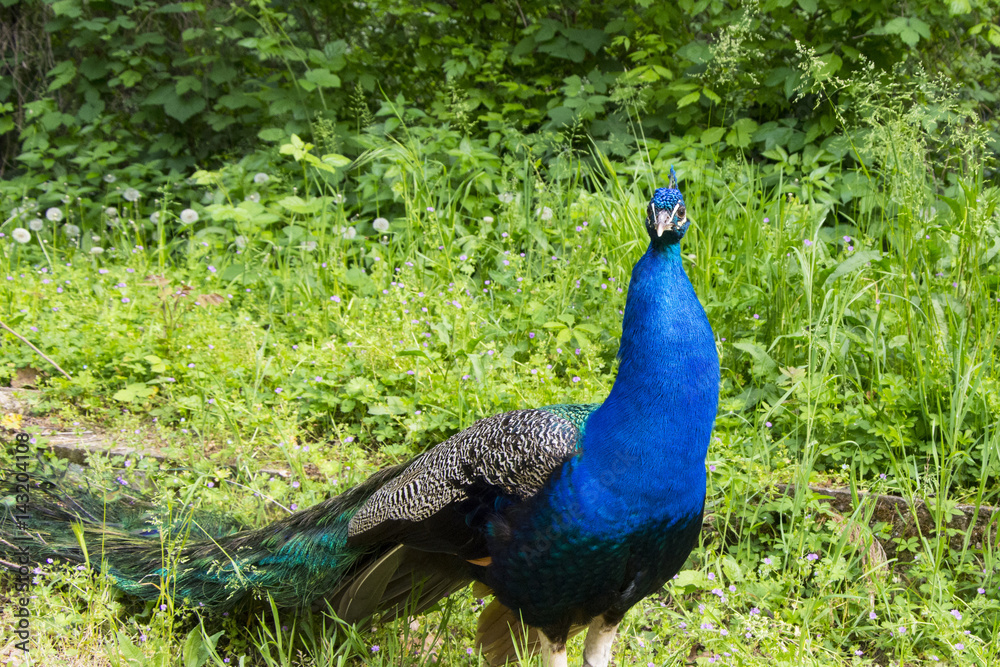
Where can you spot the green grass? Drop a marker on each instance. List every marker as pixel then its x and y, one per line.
pixel 857 338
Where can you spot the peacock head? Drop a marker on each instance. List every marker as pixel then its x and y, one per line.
pixel 666 215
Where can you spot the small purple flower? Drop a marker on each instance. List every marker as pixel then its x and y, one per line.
pixel 956 613
pixel 768 424
pixel 812 557
pixel 211 269
pixel 375 647
pixel 807 242
pixel 125 299
pixel 768 561
pixel 872 615
pixel 576 378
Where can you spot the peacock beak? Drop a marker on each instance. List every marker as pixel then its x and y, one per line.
pixel 665 221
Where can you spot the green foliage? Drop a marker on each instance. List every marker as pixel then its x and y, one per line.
pixel 93 87
pixel 391 256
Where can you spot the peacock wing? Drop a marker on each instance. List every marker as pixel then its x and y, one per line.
pixel 443 498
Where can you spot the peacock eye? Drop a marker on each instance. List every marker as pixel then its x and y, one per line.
pixel 681 213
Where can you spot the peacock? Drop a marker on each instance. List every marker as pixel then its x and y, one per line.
pixel 568 514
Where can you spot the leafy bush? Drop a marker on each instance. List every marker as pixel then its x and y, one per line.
pixel 180 84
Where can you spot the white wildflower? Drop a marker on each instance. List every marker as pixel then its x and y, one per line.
pixel 254 197
pixel 66 199
pixel 109 178
pixel 488 219
pixel 350 233
pixel 96 250
pixel 309 245
pixel 95 238
pixel 241 242
pixel 21 235
pixel 381 225
pixel 111 212
pixel 506 197
pixel 545 213
pixel 338 198
pixel 131 194
pixel 154 217
pixel 189 216
pixel 71 231
pixel 260 178
pixel 54 214
pixel 36 224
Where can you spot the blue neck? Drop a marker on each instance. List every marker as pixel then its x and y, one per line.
pixel 645 447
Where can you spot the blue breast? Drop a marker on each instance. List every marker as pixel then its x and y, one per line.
pixel 624 513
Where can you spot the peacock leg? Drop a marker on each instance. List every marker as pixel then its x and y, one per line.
pixel 597 648
pixel 553 652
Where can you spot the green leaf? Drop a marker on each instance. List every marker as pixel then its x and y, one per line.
pixel 271 134
pixel 134 392
pixel 763 365
pixel 296 204
pixel 183 110
pixel 156 365
pixel 198 647
pixel 187 83
pixel 741 132
pixel 712 135
pixel 323 78
pixel 852 264
pixel 68 8
pixel 335 160
pixel 691 578
pixel 62 74
pixel 957 208
pixel 394 405
pixel 690 98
